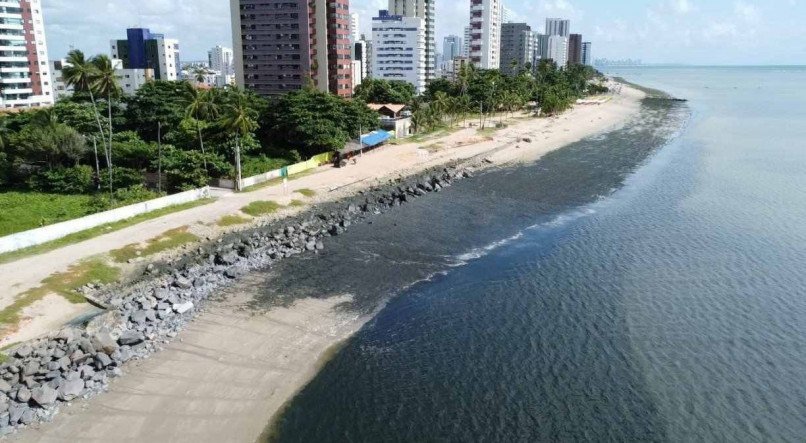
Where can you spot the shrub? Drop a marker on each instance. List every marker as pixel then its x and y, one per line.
pixel 75 180
pixel 260 164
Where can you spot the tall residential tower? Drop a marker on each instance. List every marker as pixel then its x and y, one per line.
pixel 143 49
pixel 423 9
pixel 281 46
pixel 399 49
pixel 485 33
pixel 24 65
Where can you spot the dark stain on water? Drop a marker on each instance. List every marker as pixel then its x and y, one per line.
pixel 490 349
pixel 644 294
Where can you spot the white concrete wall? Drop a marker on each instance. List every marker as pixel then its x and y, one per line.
pixel 260 178
pixel 45 234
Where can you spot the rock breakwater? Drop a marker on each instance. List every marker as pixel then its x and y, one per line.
pixel 78 362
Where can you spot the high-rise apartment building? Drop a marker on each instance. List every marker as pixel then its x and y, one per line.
pixel 485 33
pixel 558 26
pixel 558 50
pixel 355 27
pixel 24 66
pixel 587 55
pixel 360 48
pixel 220 59
pixel 423 9
pixel 517 47
pixel 574 49
pixel 399 49
pixel 451 48
pixel 281 46
pixel 466 43
pixel 143 49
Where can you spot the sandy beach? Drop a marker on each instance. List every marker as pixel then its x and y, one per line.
pixel 266 357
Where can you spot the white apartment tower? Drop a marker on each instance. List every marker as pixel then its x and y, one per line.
pixel 24 68
pixel 466 43
pixel 587 54
pixel 355 27
pixel 399 49
pixel 220 59
pixel 485 33
pixel 558 26
pixel 558 50
pixel 423 9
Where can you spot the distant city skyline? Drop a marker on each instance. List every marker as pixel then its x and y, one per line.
pixel 658 31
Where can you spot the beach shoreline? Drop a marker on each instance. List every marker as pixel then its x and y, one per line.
pixel 267 357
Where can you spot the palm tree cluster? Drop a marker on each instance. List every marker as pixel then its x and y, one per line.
pixel 96 77
pixel 545 89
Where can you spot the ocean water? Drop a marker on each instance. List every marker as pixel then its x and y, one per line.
pixel 648 284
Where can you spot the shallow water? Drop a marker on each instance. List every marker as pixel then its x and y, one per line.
pixel 643 285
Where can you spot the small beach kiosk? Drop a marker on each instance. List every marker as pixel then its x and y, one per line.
pixel 367 142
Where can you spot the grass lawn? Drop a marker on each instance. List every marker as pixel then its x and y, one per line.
pixel 170 239
pixel 64 284
pixel 232 220
pixel 306 192
pixel 21 211
pixel 98 230
pixel 260 207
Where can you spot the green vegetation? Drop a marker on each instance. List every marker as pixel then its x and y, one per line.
pixel 306 192
pixel 486 93
pixel 384 91
pixel 98 230
pixel 20 211
pixel 168 240
pixel 232 220
pixel 260 207
pixel 64 284
pixel 296 203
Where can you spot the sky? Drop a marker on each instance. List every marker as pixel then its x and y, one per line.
pixel 705 32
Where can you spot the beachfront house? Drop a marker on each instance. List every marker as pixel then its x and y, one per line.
pixel 394 118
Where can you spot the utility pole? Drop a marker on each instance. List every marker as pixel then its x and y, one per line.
pixel 159 156
pixel 97 163
pixel 238 164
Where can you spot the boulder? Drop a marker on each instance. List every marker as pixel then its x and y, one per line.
pixel 15 411
pixel 23 395
pixel 111 322
pixel 183 283
pixel 130 338
pixel 4 386
pixel 28 417
pixel 138 316
pixel 24 351
pixel 103 341
pixel 181 308
pixel 102 360
pixel 44 395
pixel 70 389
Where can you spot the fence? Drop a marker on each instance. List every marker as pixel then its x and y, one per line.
pixel 287 171
pixel 45 234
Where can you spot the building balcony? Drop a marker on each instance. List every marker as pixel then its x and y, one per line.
pixel 14 59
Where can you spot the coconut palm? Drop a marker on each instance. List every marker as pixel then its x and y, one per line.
pixel 105 82
pixel 199 74
pixel 238 119
pixel 79 73
pixel 203 105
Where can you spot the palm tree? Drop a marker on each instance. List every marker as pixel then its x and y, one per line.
pixel 240 119
pixel 199 74
pixel 105 82
pixel 80 73
pixel 203 105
